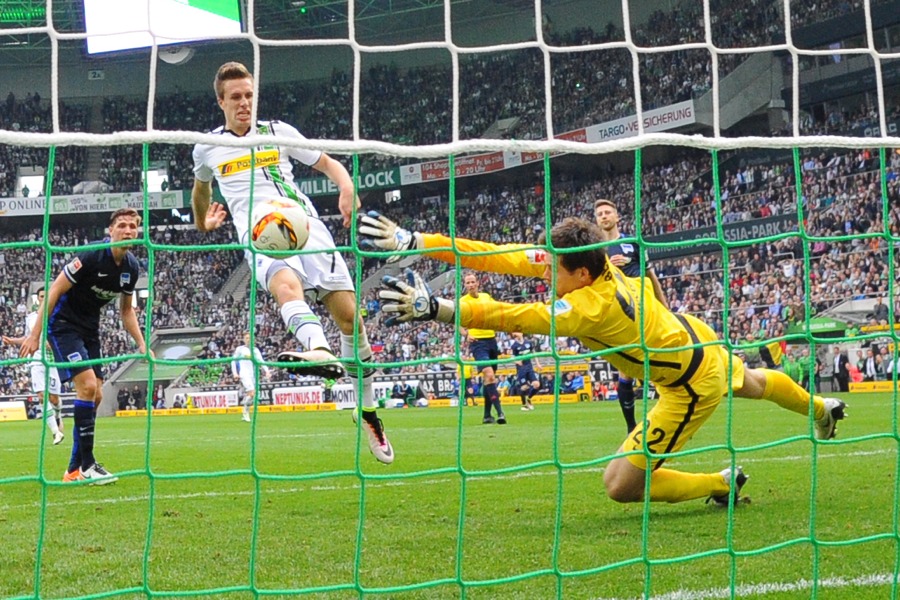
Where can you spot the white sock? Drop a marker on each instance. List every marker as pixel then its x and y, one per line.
pixel 50 416
pixel 304 325
pixel 365 355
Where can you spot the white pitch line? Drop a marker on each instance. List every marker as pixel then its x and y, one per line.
pixel 544 472
pixel 763 589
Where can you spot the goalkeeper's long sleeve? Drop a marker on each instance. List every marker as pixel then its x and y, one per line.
pixel 513 259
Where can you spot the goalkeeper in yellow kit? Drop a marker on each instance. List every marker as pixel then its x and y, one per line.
pixel 605 309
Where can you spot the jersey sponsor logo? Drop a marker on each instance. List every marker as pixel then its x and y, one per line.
pixel 561 306
pixel 245 163
pixel 104 294
pixel 102 274
pixel 75 265
pixel 74 357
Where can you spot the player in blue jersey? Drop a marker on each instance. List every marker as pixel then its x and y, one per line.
pixel 74 301
pixel 527 381
pixel 626 256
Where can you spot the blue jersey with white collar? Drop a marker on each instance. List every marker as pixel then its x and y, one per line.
pixel 632 252
pixel 96 279
pixel 522 350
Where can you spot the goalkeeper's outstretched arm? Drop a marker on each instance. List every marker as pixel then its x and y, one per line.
pixel 413 300
pixel 380 233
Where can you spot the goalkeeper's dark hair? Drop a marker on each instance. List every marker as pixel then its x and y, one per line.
pixel 227 72
pixel 572 232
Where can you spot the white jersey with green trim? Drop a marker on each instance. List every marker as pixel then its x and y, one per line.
pixel 30 321
pixel 268 171
pixel 242 362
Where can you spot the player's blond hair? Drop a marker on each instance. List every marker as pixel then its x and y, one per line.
pixel 227 72
pixel 605 202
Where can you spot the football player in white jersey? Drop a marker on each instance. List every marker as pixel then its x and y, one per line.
pixel 244 372
pixel 39 379
pixel 323 276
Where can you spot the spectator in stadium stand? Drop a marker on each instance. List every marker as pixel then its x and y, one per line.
pixel 122 397
pixel 880 310
pixel 840 372
pixel 139 399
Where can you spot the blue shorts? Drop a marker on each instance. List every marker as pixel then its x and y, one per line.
pixel 72 346
pixel 485 349
pixel 526 376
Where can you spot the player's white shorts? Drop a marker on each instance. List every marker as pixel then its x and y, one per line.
pixel 321 272
pixel 38 378
pixel 248 384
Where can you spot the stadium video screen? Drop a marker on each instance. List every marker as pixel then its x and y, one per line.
pixel 113 25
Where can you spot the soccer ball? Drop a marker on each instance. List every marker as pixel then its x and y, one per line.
pixel 279 225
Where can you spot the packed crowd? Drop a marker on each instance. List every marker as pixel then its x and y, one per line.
pixel 806 13
pixel 414 106
pixel 767 289
pixel 32 114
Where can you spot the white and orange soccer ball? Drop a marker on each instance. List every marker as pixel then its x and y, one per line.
pixel 279 225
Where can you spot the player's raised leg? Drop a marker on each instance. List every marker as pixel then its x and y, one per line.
pixel 342 306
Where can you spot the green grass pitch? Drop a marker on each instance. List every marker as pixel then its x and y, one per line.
pixel 515 511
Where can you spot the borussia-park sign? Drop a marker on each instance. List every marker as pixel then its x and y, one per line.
pixel 659 119
pixel 744 231
pixel 88 203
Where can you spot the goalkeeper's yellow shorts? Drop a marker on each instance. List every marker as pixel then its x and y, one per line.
pixel 682 409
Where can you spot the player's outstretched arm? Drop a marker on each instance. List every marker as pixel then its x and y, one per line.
pixel 380 233
pixel 413 300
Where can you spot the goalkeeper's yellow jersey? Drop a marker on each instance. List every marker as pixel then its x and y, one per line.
pixel 605 314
